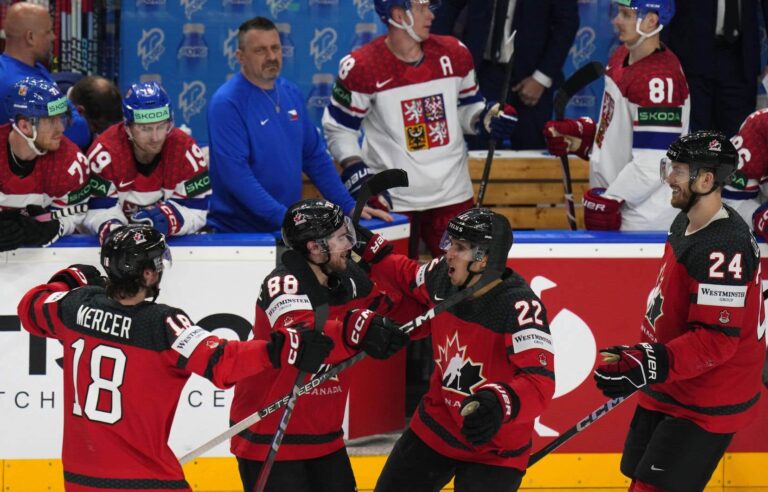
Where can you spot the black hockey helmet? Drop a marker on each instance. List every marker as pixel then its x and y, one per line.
pixel 703 149
pixel 312 219
pixel 128 250
pixel 488 231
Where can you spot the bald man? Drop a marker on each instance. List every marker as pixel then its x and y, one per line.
pixel 28 44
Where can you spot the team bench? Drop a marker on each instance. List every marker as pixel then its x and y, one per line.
pixel 525 186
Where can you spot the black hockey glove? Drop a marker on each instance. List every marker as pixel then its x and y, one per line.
pixel 376 335
pixel 39 232
pixel 306 350
pixel 371 247
pixel 11 231
pixel 626 369
pixel 79 275
pixel 354 175
pixel 484 411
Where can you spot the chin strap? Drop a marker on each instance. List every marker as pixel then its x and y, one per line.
pixel 30 141
pixel 407 27
pixel 644 35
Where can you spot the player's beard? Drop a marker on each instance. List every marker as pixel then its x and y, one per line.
pixel 681 198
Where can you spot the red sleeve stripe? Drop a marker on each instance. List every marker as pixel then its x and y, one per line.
pixel 37 313
pixel 468 89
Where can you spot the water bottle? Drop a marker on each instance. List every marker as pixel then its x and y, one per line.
pixel 192 55
pixel 150 5
pixel 284 29
pixel 319 96
pixel 151 77
pixel 364 33
pixel 323 3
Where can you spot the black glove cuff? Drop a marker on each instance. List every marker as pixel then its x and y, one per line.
pixel 656 361
pixel 275 348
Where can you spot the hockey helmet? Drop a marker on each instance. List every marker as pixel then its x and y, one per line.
pixel 488 232
pixel 665 9
pixel 703 149
pixel 128 250
pixel 33 97
pixel 384 7
pixel 146 102
pixel 315 219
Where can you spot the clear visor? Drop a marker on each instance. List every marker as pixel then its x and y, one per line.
pixel 164 261
pixel 460 248
pixel 674 171
pixel 342 239
pixel 628 13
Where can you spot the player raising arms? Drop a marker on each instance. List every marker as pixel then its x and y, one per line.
pixel 700 361
pixel 494 352
pixel 645 107
pixel 145 170
pixel 126 361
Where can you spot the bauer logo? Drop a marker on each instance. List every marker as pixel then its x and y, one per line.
pixel 277 6
pixel 363 7
pixel 191 6
pixel 230 48
pixel 150 46
pixel 192 99
pixel 323 46
pixel 583 46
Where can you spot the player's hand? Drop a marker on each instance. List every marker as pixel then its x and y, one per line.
pixel 601 213
pixel 529 90
pixel 306 349
pixel 370 247
pixel 375 213
pixel 498 122
pixel 11 230
pixel 163 216
pixel 39 228
pixel 626 369
pixel 376 335
pixel 760 221
pixel 75 276
pixel 569 136
pixel 353 176
pixel 485 410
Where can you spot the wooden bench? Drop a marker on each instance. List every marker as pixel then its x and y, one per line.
pixel 525 186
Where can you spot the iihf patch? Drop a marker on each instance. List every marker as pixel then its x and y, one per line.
pixel 725 316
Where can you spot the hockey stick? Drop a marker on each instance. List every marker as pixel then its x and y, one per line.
pixel 492 272
pixel 580 426
pixel 507 50
pixel 375 184
pixel 318 298
pixel 580 79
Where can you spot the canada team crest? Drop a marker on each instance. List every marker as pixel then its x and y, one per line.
pixel 460 373
pixel 425 123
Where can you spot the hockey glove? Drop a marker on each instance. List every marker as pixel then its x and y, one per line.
pixel 11 231
pixel 106 228
pixel 570 137
pixel 306 350
pixel 497 123
pixel 39 232
pixel 600 212
pixel 354 175
pixel 79 275
pixel 376 335
pixel 760 221
pixel 626 369
pixel 163 216
pixel 371 247
pixel 495 404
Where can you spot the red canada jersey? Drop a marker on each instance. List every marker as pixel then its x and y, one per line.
pixel 59 178
pixel 315 428
pixel 180 171
pixel 500 337
pixel 124 370
pixel 706 308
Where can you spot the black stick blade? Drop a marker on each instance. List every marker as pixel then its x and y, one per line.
pixel 577 81
pixel 379 182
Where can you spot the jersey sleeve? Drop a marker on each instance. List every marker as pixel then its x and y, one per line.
pixel 188 184
pixel 530 351
pixel 70 186
pixel 103 205
pixel 752 144
pixel 723 284
pixel 471 101
pixel 38 310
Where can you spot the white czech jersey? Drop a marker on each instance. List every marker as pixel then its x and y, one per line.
pixel 413 118
pixel 645 108
pixel 748 187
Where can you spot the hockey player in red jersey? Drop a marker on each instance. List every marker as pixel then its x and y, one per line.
pixel 699 363
pixel 645 107
pixel 43 175
pixel 312 456
pixel 415 96
pixel 126 361
pixel 494 350
pixel 145 170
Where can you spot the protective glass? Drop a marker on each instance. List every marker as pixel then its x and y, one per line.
pixel 677 171
pixel 164 261
pixel 342 238
pixel 430 4
pixel 461 249
pixel 628 14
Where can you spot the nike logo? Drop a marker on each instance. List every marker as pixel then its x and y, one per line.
pixel 654 468
pixel 438 299
pixel 263 122
pixel 123 184
pixel 379 85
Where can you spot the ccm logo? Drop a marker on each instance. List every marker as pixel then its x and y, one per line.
pixel 293 345
pixel 358 328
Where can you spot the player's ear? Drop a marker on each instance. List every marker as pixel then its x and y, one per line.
pixel 651 21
